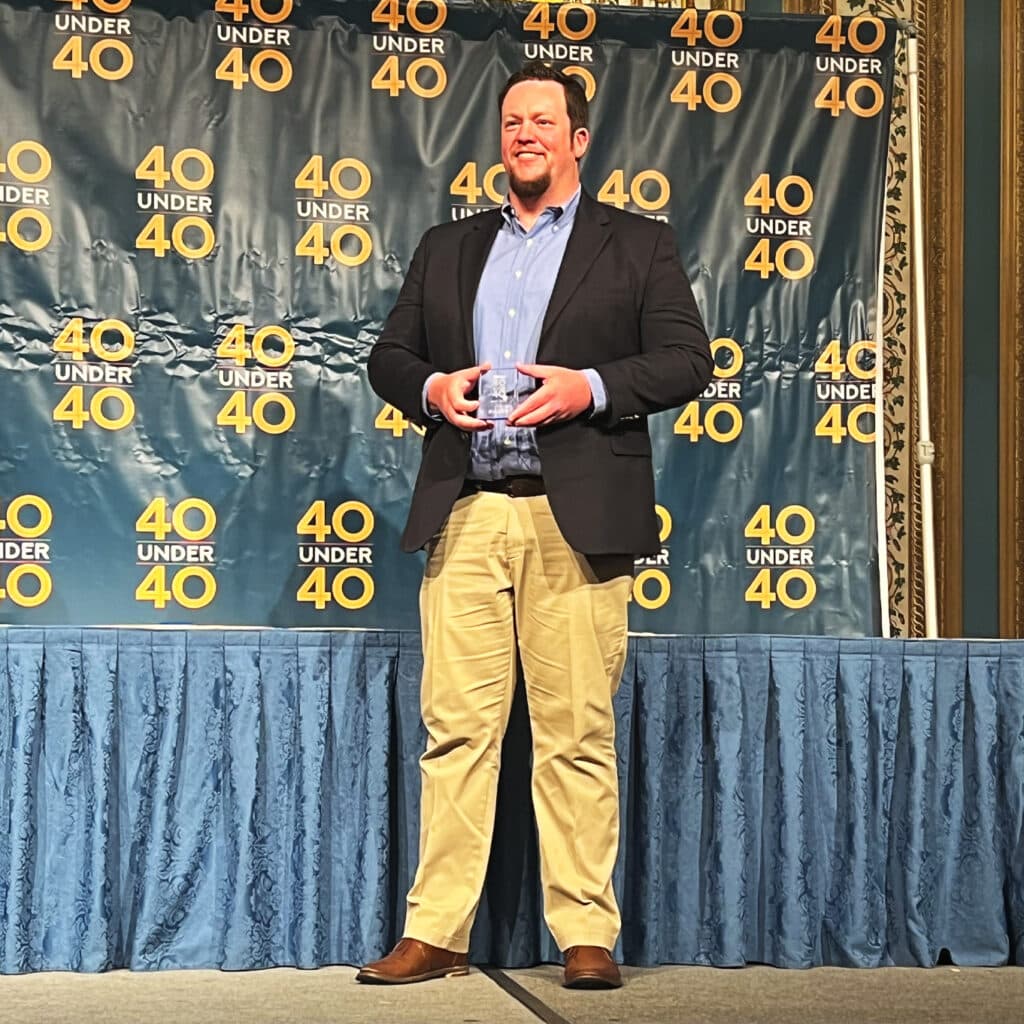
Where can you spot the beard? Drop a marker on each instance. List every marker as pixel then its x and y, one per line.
pixel 530 188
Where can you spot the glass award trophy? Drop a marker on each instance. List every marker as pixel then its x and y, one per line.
pixel 501 389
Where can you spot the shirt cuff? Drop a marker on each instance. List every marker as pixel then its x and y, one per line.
pixel 427 411
pixel 597 392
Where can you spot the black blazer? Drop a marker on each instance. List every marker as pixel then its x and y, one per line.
pixel 621 304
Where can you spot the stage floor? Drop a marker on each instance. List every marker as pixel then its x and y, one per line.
pixel 664 995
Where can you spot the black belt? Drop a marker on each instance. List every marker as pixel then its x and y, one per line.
pixel 514 486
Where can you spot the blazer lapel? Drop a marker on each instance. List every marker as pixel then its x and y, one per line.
pixel 590 233
pixel 476 244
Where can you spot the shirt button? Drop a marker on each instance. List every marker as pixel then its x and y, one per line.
pixel 508 355
pixel 509 442
pixel 529 242
pixel 519 274
pixel 512 312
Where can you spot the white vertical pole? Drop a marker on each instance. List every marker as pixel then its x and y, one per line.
pixel 925 449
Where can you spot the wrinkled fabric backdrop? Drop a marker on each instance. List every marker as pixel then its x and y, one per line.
pixel 208 210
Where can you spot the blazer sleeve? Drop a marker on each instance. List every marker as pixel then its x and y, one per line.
pixel 398 366
pixel 674 364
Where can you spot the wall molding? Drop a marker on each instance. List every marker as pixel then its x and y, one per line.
pixel 1011 326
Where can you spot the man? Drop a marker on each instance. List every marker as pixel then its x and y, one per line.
pixel 532 521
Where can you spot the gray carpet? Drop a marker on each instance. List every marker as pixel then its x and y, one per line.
pixel 705 995
pixel 280 996
pixel 663 996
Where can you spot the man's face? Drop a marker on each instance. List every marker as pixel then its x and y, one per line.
pixel 538 148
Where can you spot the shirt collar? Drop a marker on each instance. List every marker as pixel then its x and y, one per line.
pixel 557 212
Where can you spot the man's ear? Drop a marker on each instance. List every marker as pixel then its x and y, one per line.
pixel 580 142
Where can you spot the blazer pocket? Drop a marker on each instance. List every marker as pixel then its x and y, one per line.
pixel 633 442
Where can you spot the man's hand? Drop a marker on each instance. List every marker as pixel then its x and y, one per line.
pixel 563 395
pixel 447 394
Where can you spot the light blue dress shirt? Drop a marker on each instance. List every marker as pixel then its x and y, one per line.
pixel 508 314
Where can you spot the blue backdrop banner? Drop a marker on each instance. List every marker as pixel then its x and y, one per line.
pixel 207 212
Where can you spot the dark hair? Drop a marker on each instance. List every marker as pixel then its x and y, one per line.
pixel 575 97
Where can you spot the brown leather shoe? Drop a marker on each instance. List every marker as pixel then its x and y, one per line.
pixel 412 960
pixel 591 967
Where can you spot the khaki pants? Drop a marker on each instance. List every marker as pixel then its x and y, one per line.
pixel 499 572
